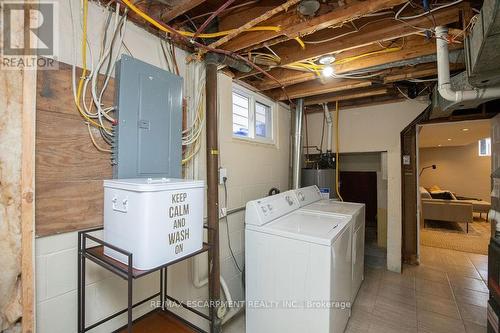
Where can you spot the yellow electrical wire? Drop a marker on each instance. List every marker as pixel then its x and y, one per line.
pixel 301 43
pixel 188 33
pixel 337 166
pixel 84 69
pixel 349 59
pixel 311 66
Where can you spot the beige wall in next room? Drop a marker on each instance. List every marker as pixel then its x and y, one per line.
pixel 459 169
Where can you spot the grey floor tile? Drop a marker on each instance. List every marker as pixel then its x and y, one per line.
pixel 431 322
pixel 439 305
pixel 473 313
pixel 474 328
pixel 472 297
pixel 427 287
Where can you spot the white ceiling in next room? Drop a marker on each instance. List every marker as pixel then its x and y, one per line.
pixel 453 134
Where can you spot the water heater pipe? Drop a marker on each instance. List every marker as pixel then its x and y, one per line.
pixel 329 127
pixel 297 145
pixel 444 83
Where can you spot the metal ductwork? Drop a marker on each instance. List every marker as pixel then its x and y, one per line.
pixel 476 85
pixel 223 59
pixel 482 47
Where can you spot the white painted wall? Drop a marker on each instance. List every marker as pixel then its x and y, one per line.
pixel 374 129
pixel 252 170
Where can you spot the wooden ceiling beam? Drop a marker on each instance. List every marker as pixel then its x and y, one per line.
pixel 416 72
pixel 346 95
pixel 180 7
pixel 312 88
pixel 292 25
pixel 289 52
pixel 254 22
pixel 360 102
pixel 414 47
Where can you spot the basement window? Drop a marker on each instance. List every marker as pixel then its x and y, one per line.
pixel 252 116
pixel 485 147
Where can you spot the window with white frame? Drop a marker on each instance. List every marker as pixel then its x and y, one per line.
pixel 485 147
pixel 252 116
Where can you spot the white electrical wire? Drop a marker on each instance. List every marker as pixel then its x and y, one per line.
pixel 397 17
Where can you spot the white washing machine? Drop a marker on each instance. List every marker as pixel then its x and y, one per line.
pixel 310 199
pixel 297 267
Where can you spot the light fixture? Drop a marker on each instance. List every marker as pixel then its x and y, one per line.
pixel 327 71
pixel 326 59
pixel 449 139
pixel 440 145
pixel 427 167
pixel 308 7
pixel 465 129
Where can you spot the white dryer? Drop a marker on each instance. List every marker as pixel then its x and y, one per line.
pixel 297 268
pixel 310 199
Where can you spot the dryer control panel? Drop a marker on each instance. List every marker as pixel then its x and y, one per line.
pixel 307 195
pixel 262 211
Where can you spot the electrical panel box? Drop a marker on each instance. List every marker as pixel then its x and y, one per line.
pixel 148 133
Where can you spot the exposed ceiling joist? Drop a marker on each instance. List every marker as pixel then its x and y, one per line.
pixel 415 47
pixel 292 25
pixel 180 7
pixel 289 52
pixel 416 72
pixel 360 102
pixel 254 22
pixel 312 88
pixel 346 95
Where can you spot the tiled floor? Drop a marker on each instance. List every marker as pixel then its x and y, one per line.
pixel 446 293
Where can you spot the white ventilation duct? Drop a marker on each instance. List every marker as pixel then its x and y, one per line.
pixel 329 127
pixel 444 85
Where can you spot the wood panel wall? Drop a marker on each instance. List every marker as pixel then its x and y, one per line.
pixel 69 170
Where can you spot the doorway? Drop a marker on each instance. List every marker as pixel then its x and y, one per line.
pixel 454 185
pixel 363 179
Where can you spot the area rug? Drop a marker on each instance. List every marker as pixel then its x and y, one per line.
pixel 452 236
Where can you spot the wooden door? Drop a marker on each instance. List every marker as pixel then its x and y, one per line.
pixel 361 187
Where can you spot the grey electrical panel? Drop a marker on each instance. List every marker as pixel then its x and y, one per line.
pixel 147 134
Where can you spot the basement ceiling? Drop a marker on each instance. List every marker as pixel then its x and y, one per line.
pixel 384 50
pixel 454 134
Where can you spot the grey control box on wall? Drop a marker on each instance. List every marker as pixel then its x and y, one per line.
pixel 148 131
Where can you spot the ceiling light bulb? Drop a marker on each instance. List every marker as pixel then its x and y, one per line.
pixel 327 71
pixel 465 129
pixel 440 145
pixel 449 139
pixel 327 59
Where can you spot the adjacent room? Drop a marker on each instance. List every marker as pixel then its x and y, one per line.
pixel 455 185
pixel 249 166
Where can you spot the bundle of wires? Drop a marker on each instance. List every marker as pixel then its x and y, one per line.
pixel 110 48
pixel 191 136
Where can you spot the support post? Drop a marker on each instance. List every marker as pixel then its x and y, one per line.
pixel 297 143
pixel 213 191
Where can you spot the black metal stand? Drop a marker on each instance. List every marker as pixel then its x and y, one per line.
pixel 127 272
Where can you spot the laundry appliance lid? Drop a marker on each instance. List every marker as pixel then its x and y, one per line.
pixel 311 227
pixel 331 206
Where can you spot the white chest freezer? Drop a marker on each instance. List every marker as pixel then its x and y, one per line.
pixel 157 220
